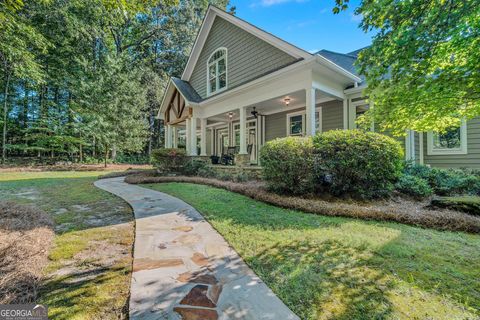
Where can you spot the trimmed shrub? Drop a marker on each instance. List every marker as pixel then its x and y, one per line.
pixel 198 168
pixel 361 164
pixel 288 165
pixel 169 160
pixel 445 182
pixel 414 186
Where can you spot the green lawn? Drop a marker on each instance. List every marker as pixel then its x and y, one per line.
pixel 88 276
pixel 341 268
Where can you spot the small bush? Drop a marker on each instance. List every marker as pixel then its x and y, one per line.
pixel 445 182
pixel 169 160
pixel 414 186
pixel 361 164
pixel 288 165
pixel 198 168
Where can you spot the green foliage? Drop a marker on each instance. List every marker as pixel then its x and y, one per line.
pixel 414 186
pixel 169 160
pixel 89 71
pixel 446 182
pixel 429 50
pixel 361 164
pixel 198 168
pixel 288 165
pixel 345 268
pixel 134 158
pixel 469 204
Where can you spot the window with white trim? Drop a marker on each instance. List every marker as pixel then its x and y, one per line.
pixel 217 71
pixel 296 122
pixel 453 141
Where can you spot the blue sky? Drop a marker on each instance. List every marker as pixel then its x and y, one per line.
pixel 308 24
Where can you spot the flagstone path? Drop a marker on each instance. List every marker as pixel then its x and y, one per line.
pixel 184 269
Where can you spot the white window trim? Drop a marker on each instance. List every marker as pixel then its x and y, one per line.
pixel 303 113
pixel 209 92
pixel 463 143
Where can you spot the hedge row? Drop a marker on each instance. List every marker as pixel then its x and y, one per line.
pixel 341 162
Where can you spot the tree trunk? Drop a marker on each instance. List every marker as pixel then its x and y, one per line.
pixel 94 151
pixel 114 153
pixel 5 111
pixel 106 156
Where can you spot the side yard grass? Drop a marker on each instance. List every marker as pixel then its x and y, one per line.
pixel 89 269
pixel 343 268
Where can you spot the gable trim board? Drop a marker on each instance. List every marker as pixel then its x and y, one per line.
pixel 207 24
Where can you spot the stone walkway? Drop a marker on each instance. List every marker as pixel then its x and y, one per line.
pixel 183 269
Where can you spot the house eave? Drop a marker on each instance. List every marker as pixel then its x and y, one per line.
pixel 335 67
pixel 207 23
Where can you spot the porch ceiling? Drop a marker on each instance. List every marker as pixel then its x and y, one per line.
pixel 297 100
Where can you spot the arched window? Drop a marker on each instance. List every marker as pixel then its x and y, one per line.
pixel 217 71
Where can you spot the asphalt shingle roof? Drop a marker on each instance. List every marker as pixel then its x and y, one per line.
pixel 187 90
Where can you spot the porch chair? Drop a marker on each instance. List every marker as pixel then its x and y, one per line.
pixel 228 158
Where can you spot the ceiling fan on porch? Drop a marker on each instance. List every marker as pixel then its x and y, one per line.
pixel 255 113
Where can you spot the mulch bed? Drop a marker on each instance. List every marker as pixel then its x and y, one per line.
pixel 26 234
pixel 398 210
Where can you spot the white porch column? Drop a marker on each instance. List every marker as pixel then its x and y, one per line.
pixel 410 146
pixel 193 138
pixel 345 113
pixel 203 137
pixel 168 136
pixel 188 136
pixel 243 134
pixel 310 112
pixel 175 137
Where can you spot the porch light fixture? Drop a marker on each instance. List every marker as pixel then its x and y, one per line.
pixel 287 101
pixel 230 115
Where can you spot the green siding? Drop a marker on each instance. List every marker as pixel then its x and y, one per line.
pixel 332 115
pixel 469 160
pixel 332 118
pixel 248 57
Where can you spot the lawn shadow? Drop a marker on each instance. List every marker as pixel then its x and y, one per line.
pixel 334 278
pixel 349 268
pixel 64 294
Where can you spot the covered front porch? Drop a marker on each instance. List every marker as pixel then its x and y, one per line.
pixel 240 121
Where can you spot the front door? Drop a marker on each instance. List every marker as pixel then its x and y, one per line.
pixel 223 142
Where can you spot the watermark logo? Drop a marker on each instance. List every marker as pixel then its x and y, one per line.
pixel 23 312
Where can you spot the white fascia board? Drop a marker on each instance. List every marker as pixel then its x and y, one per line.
pixel 213 12
pixel 299 66
pixel 198 44
pixel 269 89
pixel 167 93
pixel 354 90
pixel 335 67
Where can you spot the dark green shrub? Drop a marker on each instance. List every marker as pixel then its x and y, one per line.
pixel 446 182
pixel 361 164
pixel 169 160
pixel 135 158
pixel 198 168
pixel 414 186
pixel 288 165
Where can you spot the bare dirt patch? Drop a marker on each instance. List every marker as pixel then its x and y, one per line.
pixel 26 234
pixel 397 209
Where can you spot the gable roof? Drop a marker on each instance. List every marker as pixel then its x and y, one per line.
pixel 186 90
pixel 207 23
pixel 344 60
